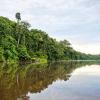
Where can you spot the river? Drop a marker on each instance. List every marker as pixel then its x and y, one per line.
pixel 55 81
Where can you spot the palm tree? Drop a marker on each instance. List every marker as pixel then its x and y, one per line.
pixel 18 17
pixel 25 25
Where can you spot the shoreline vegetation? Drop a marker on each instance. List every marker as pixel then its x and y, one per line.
pixel 19 43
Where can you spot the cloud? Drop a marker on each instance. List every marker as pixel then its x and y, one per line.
pixel 75 20
pixel 88 48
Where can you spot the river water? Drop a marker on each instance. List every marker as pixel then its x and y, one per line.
pixel 55 81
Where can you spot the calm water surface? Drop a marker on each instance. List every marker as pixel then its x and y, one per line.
pixel 57 81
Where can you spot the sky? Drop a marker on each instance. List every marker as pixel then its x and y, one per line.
pixel 77 21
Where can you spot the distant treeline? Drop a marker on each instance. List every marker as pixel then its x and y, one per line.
pixel 20 43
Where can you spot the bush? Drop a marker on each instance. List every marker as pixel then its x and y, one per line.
pixel 1 54
pixel 38 54
pixel 9 45
pixel 23 54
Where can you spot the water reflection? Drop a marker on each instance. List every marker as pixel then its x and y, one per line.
pixel 17 81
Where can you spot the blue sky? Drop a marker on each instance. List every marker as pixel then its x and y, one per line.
pixel 75 20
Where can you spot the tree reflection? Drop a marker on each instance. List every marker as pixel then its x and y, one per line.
pixel 16 81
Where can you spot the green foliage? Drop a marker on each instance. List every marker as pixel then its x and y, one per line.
pixel 1 54
pixel 9 46
pixel 6 26
pixel 38 54
pixel 17 42
pixel 23 54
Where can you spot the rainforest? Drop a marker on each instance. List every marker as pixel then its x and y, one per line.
pixel 20 43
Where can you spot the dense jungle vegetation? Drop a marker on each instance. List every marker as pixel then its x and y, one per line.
pixel 20 43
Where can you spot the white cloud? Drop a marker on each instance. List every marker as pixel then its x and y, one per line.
pixel 88 48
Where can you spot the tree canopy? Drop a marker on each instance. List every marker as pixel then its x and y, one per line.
pixel 19 43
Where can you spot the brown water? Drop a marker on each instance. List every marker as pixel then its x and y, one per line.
pixel 57 81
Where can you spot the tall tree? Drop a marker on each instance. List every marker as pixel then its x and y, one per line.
pixel 18 17
pixel 24 30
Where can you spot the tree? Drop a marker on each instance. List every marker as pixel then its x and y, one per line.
pixel 25 32
pixel 18 17
pixel 65 43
